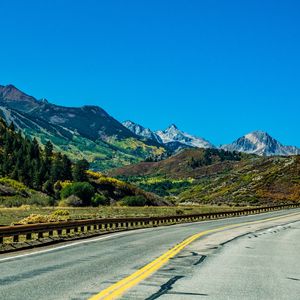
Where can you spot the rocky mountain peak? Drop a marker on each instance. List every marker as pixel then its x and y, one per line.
pixel 172 127
pixel 260 143
pixel 141 131
pixel 174 134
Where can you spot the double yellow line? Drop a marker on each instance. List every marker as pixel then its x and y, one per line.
pixel 116 290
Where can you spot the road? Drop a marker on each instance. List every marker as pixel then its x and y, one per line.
pixel 79 270
pixel 261 265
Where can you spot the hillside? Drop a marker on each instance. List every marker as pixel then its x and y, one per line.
pixel 30 174
pixel 189 163
pixel 81 132
pixel 217 176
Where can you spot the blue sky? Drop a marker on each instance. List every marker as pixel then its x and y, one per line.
pixel 217 69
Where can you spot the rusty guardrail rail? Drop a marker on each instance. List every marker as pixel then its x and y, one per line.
pixel 14 234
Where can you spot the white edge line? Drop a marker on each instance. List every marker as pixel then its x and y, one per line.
pixel 65 246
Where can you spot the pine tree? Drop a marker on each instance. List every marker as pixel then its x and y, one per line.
pixel 66 168
pixel 79 170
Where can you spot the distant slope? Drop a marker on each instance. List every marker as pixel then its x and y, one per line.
pixel 218 176
pixel 258 181
pixel 82 132
pixel 261 143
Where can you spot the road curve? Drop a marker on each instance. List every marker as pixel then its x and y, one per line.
pixel 260 265
pixel 81 270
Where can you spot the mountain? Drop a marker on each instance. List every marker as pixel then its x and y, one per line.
pixel 82 132
pixel 142 131
pixel 261 143
pixel 216 176
pixel 173 134
pixel 172 138
pixel 89 121
pixel 16 99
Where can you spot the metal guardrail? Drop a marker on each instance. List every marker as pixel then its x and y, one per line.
pixel 17 233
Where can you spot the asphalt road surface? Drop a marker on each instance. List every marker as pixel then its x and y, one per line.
pixel 82 269
pixel 261 265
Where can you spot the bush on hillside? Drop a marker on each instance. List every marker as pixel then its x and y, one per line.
pixel 99 200
pixel 83 190
pixel 134 200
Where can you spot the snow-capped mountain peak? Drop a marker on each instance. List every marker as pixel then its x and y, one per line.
pixel 172 137
pixel 173 134
pixel 260 143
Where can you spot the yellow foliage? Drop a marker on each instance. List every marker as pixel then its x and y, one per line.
pixel 13 183
pixel 94 175
pixel 62 184
pixel 37 218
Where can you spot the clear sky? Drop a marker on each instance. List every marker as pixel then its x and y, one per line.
pixel 217 69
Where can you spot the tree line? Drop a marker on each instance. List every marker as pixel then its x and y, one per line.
pixel 24 160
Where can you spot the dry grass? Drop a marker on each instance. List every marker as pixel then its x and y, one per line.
pixel 15 215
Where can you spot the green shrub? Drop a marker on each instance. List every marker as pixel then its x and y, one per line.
pixel 83 190
pixel 37 199
pixel 134 200
pixel 100 200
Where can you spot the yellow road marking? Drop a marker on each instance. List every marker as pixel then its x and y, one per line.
pixel 117 289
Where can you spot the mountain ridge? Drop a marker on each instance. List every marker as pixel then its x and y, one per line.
pixel 90 132
pixel 256 142
pixel 84 132
pixel 172 137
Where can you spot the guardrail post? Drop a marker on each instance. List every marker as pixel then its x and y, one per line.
pixel 16 238
pixel 1 240
pixel 28 236
pixel 40 235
